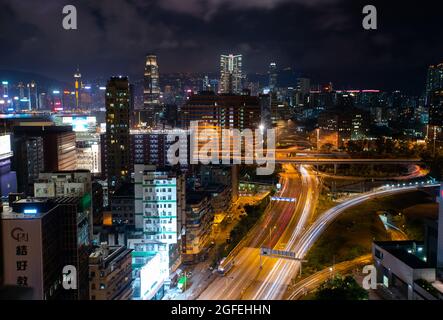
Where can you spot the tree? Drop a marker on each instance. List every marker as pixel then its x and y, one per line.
pixel 341 288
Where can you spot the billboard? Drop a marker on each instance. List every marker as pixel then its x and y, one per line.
pixel 81 123
pixel 150 278
pixel 5 145
pixel 22 253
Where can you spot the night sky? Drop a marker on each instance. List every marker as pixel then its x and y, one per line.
pixel 321 39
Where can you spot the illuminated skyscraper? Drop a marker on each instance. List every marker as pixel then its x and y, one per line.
pixel 434 94
pixel 231 74
pixel 151 93
pixel 77 85
pixel 32 96
pixel 117 155
pixel 4 89
pixel 272 76
pixel 434 79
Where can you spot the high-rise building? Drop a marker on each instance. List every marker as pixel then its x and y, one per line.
pixel 151 93
pixel 42 148
pixel 118 153
pixel 224 111
pixel 4 89
pixel 77 87
pixel 434 80
pixel 33 96
pixel 272 76
pixel 41 237
pixel 230 74
pixel 302 92
pixel 151 146
pixel 110 272
pixel 199 219
pixel 159 219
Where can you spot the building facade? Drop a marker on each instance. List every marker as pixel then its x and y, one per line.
pixel 110 272
pixel 117 152
pixel 231 74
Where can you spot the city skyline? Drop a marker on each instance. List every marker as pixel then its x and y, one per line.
pixel 294 35
pixel 221 150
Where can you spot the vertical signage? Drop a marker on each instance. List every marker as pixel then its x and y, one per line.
pixel 22 252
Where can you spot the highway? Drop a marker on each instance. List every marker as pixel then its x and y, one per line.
pixel 284 221
pixel 317 228
pixel 320 161
pixel 312 282
pixel 277 273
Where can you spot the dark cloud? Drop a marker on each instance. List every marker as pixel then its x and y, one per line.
pixel 322 39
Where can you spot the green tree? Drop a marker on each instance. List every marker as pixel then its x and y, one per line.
pixel 341 288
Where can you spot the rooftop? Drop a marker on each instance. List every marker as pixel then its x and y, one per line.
pixel 409 252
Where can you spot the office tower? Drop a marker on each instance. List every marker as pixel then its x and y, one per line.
pixel 434 80
pixel 43 101
pixel 21 90
pixel 41 148
pixel 41 237
pixel 272 76
pixel 110 272
pixel 434 95
pixel 223 111
pixel 56 101
pixel 77 87
pixel 206 85
pixel 117 154
pixel 302 92
pixel 151 93
pixel 230 74
pixel 436 108
pixel 32 96
pixel 4 89
pixel 151 147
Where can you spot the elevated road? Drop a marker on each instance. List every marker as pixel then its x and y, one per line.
pixel 281 221
pixel 320 161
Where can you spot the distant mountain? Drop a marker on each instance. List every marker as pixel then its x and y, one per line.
pixel 42 81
